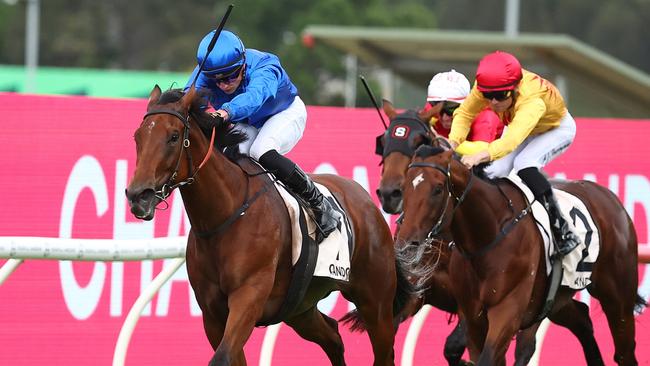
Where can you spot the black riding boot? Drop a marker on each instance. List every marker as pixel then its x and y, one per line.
pixel 295 179
pixel 565 239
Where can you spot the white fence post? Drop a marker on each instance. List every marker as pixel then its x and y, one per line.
pixel 119 356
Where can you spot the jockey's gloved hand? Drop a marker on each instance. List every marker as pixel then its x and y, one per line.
pixel 217 117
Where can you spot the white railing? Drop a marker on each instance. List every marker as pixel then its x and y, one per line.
pixel 17 249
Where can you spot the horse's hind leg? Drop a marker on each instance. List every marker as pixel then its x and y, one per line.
pixel 575 317
pixel 377 315
pixel 620 317
pixel 317 327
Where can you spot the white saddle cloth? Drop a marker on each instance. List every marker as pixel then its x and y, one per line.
pixel 334 252
pixel 579 262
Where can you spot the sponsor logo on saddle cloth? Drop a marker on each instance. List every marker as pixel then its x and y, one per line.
pixel 333 259
pixel 579 262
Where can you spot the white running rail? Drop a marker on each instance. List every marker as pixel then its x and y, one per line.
pixel 17 249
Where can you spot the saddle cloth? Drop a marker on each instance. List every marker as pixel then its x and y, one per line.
pixel 333 254
pixel 578 264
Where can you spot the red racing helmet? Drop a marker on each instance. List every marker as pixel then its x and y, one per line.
pixel 498 71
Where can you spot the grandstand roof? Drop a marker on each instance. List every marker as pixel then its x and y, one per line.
pixel 598 84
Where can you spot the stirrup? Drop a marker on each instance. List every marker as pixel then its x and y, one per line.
pixel 327 220
pixel 567 243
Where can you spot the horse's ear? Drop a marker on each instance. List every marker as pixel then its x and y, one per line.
pixel 154 96
pixel 388 108
pixel 186 101
pixel 425 116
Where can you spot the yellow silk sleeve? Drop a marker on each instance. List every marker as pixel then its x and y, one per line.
pixel 471 147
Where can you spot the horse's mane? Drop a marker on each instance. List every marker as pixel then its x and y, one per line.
pixel 424 151
pixel 225 134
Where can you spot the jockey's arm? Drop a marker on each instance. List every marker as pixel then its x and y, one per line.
pixel 263 85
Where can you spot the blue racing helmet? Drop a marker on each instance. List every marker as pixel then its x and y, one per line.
pixel 226 56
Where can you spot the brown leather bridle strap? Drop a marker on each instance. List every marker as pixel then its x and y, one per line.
pixel 168 187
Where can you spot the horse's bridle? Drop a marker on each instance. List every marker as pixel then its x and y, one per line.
pixel 167 188
pixel 436 227
pixel 435 230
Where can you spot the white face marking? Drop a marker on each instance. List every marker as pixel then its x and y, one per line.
pixel 151 125
pixel 417 180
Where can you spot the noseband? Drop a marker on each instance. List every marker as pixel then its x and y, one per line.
pixel 435 230
pixel 169 186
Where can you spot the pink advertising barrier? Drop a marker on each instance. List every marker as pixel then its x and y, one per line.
pixel 66 162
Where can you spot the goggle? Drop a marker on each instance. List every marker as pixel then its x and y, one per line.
pixel 229 78
pixel 499 95
pixel 448 108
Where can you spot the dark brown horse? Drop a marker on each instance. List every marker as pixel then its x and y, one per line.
pixel 239 247
pixel 407 131
pixel 502 277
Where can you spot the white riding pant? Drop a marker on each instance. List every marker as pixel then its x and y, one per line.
pixel 536 151
pixel 281 132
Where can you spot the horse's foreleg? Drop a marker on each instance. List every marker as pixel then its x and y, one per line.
pixel 455 344
pixel 504 320
pixel 575 317
pixel 317 327
pixel 525 347
pixel 475 334
pixel 214 328
pixel 245 308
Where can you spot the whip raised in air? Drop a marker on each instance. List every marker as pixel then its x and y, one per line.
pixel 214 40
pixel 372 98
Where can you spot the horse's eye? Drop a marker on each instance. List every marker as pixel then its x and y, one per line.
pixel 174 137
pixel 437 190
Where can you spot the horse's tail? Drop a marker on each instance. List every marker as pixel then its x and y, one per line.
pixel 639 304
pixel 405 293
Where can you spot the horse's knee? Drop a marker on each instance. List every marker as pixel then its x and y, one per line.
pixel 220 358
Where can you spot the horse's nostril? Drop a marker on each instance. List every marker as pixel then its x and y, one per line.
pixel 146 195
pixel 129 195
pixel 396 193
pixel 139 196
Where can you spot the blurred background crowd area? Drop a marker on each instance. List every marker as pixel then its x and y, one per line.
pixel 119 48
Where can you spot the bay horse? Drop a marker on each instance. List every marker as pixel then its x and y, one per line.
pixel 239 246
pixel 406 132
pixel 501 268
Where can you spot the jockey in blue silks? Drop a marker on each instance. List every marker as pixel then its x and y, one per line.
pixel 251 89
